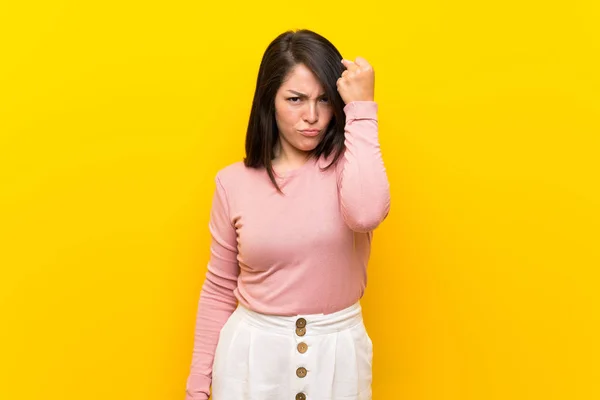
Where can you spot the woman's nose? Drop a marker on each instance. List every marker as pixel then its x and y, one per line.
pixel 311 115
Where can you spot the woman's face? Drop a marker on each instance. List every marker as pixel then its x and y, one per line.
pixel 300 105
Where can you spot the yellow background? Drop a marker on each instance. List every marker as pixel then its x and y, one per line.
pixel 115 117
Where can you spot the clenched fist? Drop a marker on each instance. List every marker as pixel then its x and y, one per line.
pixel 357 82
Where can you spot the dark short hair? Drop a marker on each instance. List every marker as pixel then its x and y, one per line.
pixel 286 51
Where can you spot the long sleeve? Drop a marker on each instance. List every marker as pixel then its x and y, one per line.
pixel 362 179
pixel 217 300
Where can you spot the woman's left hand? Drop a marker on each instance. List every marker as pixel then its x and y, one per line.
pixel 357 82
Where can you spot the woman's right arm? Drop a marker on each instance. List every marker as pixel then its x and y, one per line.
pixel 217 300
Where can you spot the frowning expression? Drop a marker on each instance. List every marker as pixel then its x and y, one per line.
pixel 302 111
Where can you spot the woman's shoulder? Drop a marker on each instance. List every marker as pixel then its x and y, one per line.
pixel 235 173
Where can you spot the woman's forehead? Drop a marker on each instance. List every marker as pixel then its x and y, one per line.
pixel 302 80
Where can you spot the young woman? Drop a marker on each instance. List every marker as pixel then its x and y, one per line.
pixel 279 314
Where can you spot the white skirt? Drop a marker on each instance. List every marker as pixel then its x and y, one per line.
pixel 306 357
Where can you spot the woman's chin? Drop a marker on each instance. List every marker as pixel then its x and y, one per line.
pixel 307 146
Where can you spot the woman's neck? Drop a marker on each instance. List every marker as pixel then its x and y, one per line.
pixel 288 160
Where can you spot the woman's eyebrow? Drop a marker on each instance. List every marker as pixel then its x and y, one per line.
pixel 302 94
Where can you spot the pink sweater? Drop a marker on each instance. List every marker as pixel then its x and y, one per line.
pixel 302 253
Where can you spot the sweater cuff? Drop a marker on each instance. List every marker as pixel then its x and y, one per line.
pixel 198 387
pixel 361 110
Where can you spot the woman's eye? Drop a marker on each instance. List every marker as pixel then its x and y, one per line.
pixel 297 99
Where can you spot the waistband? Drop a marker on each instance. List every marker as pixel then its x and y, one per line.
pixel 316 324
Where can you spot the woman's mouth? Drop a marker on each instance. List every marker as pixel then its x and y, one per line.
pixel 310 132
